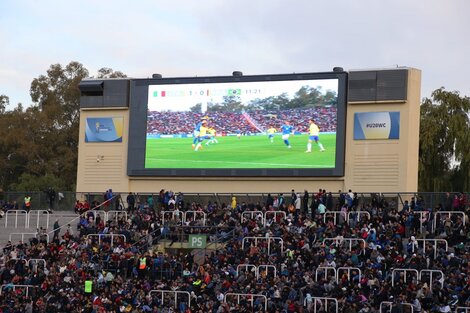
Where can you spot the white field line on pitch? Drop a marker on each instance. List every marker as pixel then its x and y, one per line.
pixel 253 163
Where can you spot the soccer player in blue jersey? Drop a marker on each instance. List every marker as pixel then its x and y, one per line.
pixel 196 131
pixel 286 131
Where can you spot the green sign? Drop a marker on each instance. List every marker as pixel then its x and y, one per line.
pixel 197 241
pixel 88 286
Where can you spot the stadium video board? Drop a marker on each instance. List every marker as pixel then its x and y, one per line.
pixel 263 125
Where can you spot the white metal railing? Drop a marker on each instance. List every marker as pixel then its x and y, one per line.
pixel 252 215
pixel 462 309
pixel 359 214
pixel 245 267
pixel 16 212
pixel 95 213
pixel 173 292
pixel 348 269
pixel 16 286
pixel 107 235
pixel 35 264
pixel 268 239
pixel 423 216
pixel 257 268
pixel 275 213
pixel 325 270
pixel 435 241
pixel 173 215
pixel 335 215
pixel 338 241
pixel 449 213
pixel 250 296
pixel 116 214
pixel 31 235
pixel 406 271
pixel 431 272
pixel 390 304
pixel 194 215
pixel 322 301
pixel 39 213
pixel 266 267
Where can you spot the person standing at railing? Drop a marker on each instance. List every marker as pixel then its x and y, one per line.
pixel 27 203
pixel 130 202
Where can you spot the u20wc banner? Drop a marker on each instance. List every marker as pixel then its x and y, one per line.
pixel 376 125
pixel 104 129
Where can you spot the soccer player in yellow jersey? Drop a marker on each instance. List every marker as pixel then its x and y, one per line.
pixel 212 138
pixel 271 131
pixel 314 133
pixel 202 135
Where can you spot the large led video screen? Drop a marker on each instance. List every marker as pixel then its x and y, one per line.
pixel 278 125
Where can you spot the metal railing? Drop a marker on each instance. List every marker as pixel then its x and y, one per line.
pixel 430 281
pixel 65 200
pixel 275 215
pixel 339 241
pixel 28 235
pixel 390 304
pixel 251 298
pixel 257 269
pixel 112 236
pixel 325 270
pixel 14 287
pixel 175 293
pixel 405 271
pixel 39 213
pixel 348 269
pixel 268 239
pixel 434 241
pixel 322 301
pixel 16 212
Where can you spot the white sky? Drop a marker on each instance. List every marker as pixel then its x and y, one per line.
pixel 213 37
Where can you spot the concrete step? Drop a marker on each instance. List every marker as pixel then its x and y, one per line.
pixel 13 225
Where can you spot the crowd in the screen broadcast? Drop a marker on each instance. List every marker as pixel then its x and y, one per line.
pixel 170 123
pixel 85 275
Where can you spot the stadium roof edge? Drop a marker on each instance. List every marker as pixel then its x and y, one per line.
pixel 211 77
pixel 398 68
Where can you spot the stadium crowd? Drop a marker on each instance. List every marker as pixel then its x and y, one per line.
pixel 170 123
pixel 123 272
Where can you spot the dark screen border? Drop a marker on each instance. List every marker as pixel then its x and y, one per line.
pixel 138 128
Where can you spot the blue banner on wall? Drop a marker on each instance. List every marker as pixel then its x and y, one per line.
pixel 376 125
pixel 104 129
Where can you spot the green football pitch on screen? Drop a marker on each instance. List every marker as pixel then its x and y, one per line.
pixel 247 152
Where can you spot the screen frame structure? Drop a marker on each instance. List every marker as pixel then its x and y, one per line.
pixel 138 129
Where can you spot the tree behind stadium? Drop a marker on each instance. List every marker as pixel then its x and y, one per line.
pixel 444 142
pixel 40 143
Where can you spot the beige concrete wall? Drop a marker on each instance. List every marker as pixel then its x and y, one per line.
pixel 370 165
pixel 386 165
pixel 102 166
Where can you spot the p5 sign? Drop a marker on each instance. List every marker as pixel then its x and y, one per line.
pixel 197 241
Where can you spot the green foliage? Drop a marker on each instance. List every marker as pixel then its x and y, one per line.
pixel 106 72
pixel 28 182
pixel 197 108
pixel 38 145
pixel 444 153
pixel 305 97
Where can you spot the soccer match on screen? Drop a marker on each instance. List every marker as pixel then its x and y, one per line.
pixel 277 124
